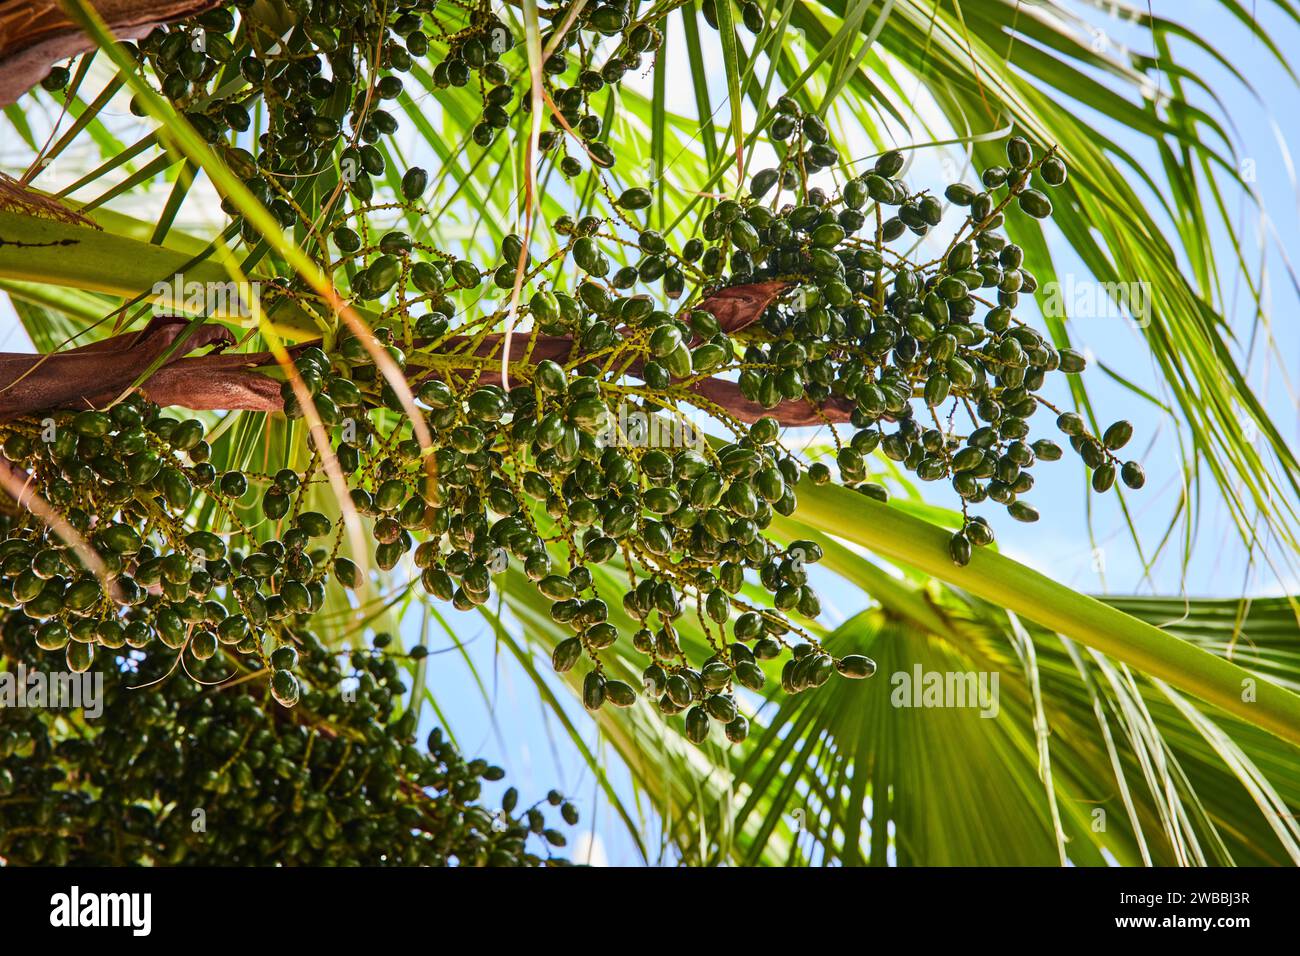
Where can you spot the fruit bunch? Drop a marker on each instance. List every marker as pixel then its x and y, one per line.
pixel 906 347
pixel 137 566
pixel 179 774
pixel 857 334
pixel 535 472
pixel 328 89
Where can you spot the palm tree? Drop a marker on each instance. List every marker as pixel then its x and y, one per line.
pixel 1136 730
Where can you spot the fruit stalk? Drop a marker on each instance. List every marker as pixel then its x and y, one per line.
pixel 94 375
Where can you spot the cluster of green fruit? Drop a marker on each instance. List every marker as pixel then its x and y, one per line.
pixel 324 83
pixel 899 343
pixel 572 55
pixel 519 475
pixel 907 345
pixel 180 774
pixel 133 484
